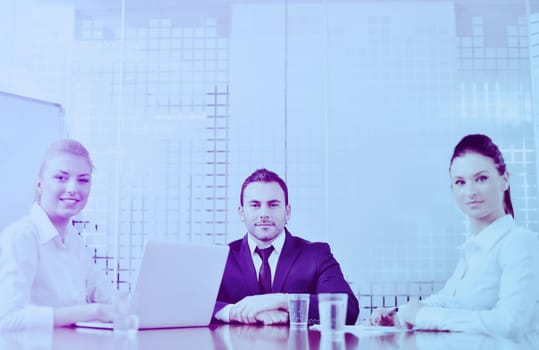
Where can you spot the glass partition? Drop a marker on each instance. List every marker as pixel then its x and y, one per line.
pixel 358 104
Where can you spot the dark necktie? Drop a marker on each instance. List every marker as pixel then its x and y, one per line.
pixel 264 275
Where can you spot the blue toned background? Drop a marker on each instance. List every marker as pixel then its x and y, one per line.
pixel 358 104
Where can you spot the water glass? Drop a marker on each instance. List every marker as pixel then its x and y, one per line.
pixel 332 309
pixel 298 310
pixel 125 314
pixel 298 339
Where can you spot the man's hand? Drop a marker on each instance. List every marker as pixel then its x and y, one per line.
pixel 272 317
pixel 247 309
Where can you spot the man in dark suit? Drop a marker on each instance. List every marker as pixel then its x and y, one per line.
pixel 268 262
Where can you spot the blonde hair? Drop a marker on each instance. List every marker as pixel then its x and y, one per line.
pixel 63 146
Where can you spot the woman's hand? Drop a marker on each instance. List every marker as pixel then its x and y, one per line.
pixel 408 312
pixel 67 315
pixel 103 312
pixel 383 317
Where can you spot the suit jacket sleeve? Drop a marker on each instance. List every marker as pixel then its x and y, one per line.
pixel 331 280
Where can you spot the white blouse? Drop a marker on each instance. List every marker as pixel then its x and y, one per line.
pixel 39 271
pixel 495 286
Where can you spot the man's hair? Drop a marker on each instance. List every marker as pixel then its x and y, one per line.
pixel 264 175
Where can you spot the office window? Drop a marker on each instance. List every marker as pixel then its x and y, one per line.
pixel 357 104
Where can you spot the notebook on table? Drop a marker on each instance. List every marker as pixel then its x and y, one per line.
pixel 177 285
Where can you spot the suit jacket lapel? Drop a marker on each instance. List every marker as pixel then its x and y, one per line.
pixel 245 261
pixel 286 259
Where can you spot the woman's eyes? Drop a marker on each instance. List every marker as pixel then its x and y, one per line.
pixel 482 178
pixel 64 178
pixel 60 177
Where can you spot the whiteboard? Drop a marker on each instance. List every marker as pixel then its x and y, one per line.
pixel 27 127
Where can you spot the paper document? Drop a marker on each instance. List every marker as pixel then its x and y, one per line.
pixel 368 330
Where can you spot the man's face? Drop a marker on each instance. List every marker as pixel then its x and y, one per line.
pixel 264 211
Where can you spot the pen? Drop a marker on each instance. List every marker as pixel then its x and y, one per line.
pixel 392 312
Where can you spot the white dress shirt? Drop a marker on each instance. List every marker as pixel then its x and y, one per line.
pixel 39 271
pixel 495 286
pixel 272 259
pixel 278 243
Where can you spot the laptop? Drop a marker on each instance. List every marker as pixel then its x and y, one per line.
pixel 177 285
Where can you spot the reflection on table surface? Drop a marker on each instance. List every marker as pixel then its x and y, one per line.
pixel 236 337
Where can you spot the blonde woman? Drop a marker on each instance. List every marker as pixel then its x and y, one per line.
pixel 46 274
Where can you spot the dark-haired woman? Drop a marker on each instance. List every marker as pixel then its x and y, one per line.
pixel 495 286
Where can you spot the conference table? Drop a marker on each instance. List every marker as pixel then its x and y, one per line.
pixel 235 337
